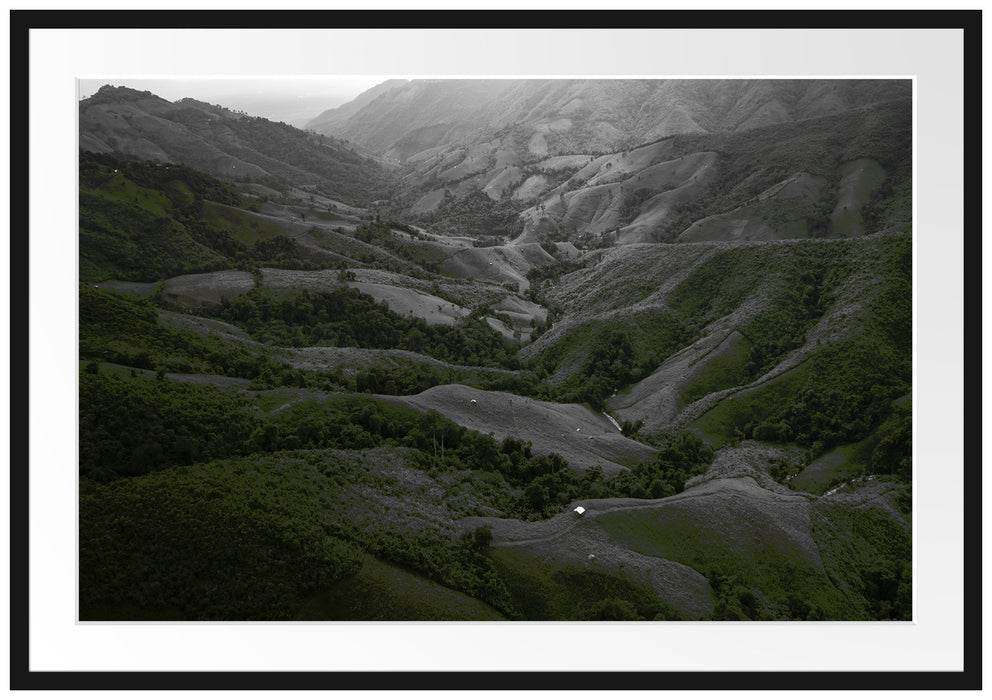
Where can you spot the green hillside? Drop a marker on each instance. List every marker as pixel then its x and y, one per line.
pixel 144 222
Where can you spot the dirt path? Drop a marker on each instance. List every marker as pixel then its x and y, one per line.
pixel 535 540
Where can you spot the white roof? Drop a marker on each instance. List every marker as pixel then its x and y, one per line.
pixel 580 510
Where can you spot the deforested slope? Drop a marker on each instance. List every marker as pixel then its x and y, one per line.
pixel 558 117
pixel 838 175
pixel 629 161
pixel 831 317
pixel 585 439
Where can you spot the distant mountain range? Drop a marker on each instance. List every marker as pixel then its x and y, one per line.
pixel 226 143
pixel 600 162
pixel 542 117
pixel 594 162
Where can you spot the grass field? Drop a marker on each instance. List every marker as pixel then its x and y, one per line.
pixel 837 464
pixel 243 226
pixel 121 189
pixel 733 529
pixel 546 589
pixel 750 405
pixel 269 401
pixel 723 368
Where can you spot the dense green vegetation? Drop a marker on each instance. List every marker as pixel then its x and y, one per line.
pixel 848 388
pixel 137 425
pixel 134 425
pixel 869 554
pixel 886 451
pixel 725 367
pixel 681 456
pixel 795 281
pixel 126 241
pixel 848 394
pixel 612 359
pixel 125 330
pixel 142 222
pixel 345 317
pixel 191 544
pixel 389 593
pixel 355 252
pixel 310 512
pixel 379 233
pixel 242 226
pixel 182 183
pixel 572 593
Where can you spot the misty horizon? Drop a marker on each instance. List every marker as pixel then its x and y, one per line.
pixel 294 100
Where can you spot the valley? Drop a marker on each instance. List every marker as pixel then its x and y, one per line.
pixel 367 370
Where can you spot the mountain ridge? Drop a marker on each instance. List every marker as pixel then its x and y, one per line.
pixel 225 143
pixel 615 113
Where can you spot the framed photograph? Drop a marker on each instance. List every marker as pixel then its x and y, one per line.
pixel 503 356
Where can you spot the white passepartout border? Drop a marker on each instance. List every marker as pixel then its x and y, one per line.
pixel 932 57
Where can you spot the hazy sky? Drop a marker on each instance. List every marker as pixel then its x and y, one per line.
pixel 294 100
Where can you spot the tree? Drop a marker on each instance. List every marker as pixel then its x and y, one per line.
pixel 536 496
pixel 478 539
pixel 415 339
pixel 660 489
pixel 629 429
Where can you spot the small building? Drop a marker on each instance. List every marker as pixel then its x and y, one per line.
pixel 580 510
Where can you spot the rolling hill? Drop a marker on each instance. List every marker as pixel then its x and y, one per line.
pixel 374 382
pixel 225 143
pixel 584 439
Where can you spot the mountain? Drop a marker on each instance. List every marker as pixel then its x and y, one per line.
pixel 327 119
pixel 540 117
pixel 225 143
pixel 725 337
pixel 602 161
pixel 306 410
pixel 834 176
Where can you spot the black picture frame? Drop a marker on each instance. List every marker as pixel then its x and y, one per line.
pixel 21 675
